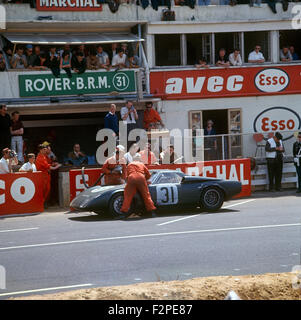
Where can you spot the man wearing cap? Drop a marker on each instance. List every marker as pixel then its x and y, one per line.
pixel 114 167
pixel 30 57
pixel 274 155
pixel 297 159
pixel 137 176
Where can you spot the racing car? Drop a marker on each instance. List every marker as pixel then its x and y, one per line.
pixel 168 189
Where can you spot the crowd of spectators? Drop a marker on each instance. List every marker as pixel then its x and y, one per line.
pixel 77 59
pixel 286 54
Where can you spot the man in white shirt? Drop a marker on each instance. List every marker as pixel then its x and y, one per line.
pixel 103 58
pixel 29 166
pixel 133 152
pixel 119 60
pixel 129 116
pixel 235 58
pixel 285 55
pixel 256 56
pixel 6 162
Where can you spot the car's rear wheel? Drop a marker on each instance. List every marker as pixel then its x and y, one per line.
pixel 212 199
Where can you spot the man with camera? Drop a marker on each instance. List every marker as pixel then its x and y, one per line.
pixel 7 161
pixel 129 116
pixel 297 159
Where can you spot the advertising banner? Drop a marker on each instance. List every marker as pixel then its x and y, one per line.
pixel 21 193
pixel 234 170
pixel 33 85
pixel 68 5
pixel 226 82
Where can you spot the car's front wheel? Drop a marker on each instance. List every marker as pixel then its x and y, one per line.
pixel 115 205
pixel 212 199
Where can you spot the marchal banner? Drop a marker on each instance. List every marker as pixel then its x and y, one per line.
pixel 33 85
pixel 68 5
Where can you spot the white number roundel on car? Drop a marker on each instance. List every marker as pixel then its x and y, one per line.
pixel 167 194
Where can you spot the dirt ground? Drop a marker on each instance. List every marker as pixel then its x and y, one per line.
pixel 270 286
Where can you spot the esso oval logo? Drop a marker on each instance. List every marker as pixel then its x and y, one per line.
pixel 271 80
pixel 277 119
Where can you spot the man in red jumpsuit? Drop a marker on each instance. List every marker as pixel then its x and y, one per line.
pixel 43 165
pixel 137 176
pixel 114 176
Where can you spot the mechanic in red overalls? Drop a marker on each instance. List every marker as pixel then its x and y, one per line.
pixel 43 165
pixel 112 165
pixel 137 176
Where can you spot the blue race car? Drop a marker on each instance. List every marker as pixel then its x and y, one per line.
pixel 168 189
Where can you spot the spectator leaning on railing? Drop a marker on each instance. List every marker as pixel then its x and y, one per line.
pixel 119 60
pixel 53 61
pixel 235 58
pixel 65 63
pixel 201 63
pixel 222 59
pixel 93 61
pixel 19 60
pixel 295 55
pixel 285 55
pixel 103 58
pixel 79 62
pixel 30 57
pixel 256 56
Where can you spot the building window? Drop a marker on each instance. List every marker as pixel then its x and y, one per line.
pixel 168 50
pixel 291 38
pixel 198 45
pixel 260 38
pixel 228 41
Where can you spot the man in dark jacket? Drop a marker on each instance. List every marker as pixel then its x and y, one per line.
pixel 297 159
pixel 5 124
pixel 111 120
pixel 79 63
pixel 274 155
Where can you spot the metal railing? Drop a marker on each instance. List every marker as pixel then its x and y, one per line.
pixel 241 145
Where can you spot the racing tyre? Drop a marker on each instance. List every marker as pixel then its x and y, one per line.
pixel 212 199
pixel 115 206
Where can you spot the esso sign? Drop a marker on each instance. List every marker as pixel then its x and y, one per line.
pixel 21 193
pixel 271 80
pixel 277 119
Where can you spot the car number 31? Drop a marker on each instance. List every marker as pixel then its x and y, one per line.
pixel 167 195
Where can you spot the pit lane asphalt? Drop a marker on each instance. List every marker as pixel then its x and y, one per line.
pixel 57 249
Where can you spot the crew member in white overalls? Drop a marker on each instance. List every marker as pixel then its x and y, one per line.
pixel 274 155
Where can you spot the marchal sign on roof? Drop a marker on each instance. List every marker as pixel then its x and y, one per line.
pixel 68 5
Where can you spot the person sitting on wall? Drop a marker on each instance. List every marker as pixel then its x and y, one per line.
pixel 30 165
pixel 222 59
pixel 202 63
pixel 256 56
pixel 76 157
pixel 79 63
pixel 7 161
